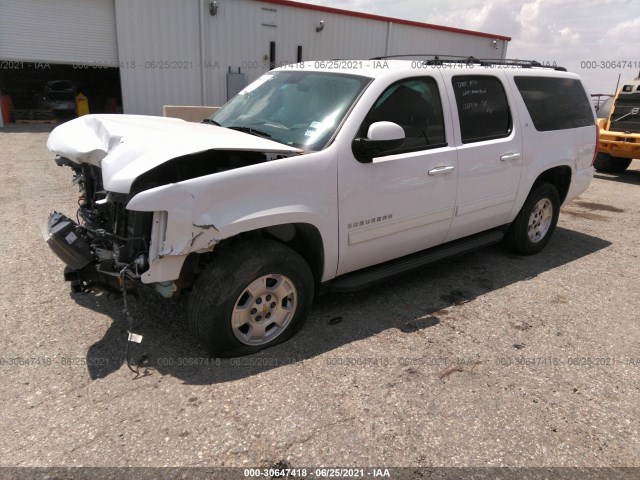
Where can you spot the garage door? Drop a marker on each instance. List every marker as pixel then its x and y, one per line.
pixel 58 31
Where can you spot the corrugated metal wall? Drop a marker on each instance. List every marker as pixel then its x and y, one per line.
pixel 159 51
pixel 240 35
pixel 410 39
pixel 58 31
pixel 182 53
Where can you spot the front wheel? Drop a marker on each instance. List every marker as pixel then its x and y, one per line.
pixel 533 227
pixel 253 296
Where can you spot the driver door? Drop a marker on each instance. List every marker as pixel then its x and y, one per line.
pixel 402 201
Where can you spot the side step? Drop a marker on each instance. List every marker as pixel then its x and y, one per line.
pixel 369 276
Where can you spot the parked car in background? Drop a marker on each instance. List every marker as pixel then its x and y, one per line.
pixel 60 97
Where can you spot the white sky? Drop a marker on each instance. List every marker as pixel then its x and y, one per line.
pixel 567 32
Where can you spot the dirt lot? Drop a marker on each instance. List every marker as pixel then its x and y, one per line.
pixel 489 359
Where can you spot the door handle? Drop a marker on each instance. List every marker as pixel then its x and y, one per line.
pixel 510 156
pixel 441 170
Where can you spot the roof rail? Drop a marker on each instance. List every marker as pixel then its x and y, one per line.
pixel 439 59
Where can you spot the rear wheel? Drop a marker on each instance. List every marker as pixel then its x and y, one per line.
pixel 606 163
pixel 533 227
pixel 253 296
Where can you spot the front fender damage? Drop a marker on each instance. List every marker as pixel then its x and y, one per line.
pixel 206 238
pixel 171 244
pixel 176 229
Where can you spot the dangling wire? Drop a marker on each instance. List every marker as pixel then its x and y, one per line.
pixel 130 319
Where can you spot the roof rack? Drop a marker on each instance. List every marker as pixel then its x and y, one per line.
pixel 439 59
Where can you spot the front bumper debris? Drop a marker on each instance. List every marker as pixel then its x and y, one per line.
pixel 68 241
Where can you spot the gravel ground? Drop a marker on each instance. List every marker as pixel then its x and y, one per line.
pixel 490 359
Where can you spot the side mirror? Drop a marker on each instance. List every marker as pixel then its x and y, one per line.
pixel 382 137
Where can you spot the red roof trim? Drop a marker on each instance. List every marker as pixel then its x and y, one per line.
pixel 370 16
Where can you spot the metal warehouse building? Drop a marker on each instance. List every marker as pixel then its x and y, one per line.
pixel 137 55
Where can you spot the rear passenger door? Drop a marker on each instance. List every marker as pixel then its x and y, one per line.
pixel 489 141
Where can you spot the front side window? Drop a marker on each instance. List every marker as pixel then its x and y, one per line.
pixel 301 109
pixel 482 108
pixel 415 105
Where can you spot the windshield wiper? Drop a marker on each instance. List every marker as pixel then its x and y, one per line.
pixel 252 131
pixel 211 122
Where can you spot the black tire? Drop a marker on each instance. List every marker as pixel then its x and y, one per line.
pixel 519 236
pixel 608 164
pixel 223 286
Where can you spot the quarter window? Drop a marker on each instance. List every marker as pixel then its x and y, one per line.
pixel 555 103
pixel 415 105
pixel 482 108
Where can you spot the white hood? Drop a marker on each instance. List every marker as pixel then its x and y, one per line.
pixel 126 146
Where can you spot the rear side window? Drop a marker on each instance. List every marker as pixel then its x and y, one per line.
pixel 555 103
pixel 482 107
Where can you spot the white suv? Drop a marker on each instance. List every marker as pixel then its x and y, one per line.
pixel 328 175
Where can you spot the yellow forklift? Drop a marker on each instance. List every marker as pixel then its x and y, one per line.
pixel 620 130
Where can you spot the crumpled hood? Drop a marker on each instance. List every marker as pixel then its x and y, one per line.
pixel 126 146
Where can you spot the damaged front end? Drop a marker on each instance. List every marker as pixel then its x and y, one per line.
pixel 106 244
pixel 139 217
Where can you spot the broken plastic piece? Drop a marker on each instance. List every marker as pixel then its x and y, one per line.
pixel 134 337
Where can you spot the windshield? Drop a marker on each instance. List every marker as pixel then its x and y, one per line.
pixel 301 109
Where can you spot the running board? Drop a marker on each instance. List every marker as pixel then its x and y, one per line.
pixel 371 275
